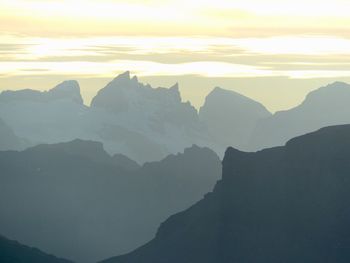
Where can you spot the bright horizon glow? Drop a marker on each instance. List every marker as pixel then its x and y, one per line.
pixel 78 56
pixel 302 40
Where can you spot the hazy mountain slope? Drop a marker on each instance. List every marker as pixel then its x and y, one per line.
pixel 66 90
pixel 231 117
pixel 14 252
pixel 323 107
pixel 8 139
pixel 76 201
pixel 128 117
pixel 147 123
pixel 286 204
pixel 46 117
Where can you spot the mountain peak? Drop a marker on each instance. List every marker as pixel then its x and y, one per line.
pixel 67 89
pixel 175 86
pixel 337 92
pixel 220 92
pixel 123 76
pixel 231 117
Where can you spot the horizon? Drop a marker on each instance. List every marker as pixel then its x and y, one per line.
pixel 263 50
pixel 87 99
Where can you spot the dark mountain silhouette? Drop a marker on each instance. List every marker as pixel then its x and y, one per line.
pixel 76 201
pixel 241 115
pixel 14 252
pixel 284 204
pixel 326 106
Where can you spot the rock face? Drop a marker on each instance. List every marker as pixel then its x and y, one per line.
pixel 231 117
pixel 285 204
pixel 14 252
pixel 326 106
pixel 78 202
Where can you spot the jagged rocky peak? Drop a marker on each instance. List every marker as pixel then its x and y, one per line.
pixel 123 77
pixel 124 80
pixel 67 90
pixel 125 93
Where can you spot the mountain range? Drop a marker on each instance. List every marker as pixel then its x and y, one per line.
pixel 147 124
pixel 283 204
pixel 130 118
pixel 78 202
pixel 87 182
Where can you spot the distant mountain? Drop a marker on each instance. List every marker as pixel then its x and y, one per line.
pixel 161 106
pixel 285 204
pixel 78 202
pixel 231 117
pixel 46 117
pixel 147 124
pixel 127 116
pixel 151 123
pixel 68 90
pixel 14 252
pixel 326 106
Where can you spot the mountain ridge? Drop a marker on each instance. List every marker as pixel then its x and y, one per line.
pixel 94 203
pixel 282 204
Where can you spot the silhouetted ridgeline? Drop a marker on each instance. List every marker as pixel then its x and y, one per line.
pixel 285 204
pixel 14 252
pixel 76 201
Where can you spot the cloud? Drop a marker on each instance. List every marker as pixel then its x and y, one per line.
pixel 291 56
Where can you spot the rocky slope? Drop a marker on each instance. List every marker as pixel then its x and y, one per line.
pixel 284 204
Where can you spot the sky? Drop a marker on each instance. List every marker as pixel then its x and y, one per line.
pixel 272 51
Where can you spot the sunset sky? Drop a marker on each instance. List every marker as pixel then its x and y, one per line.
pixel 273 51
